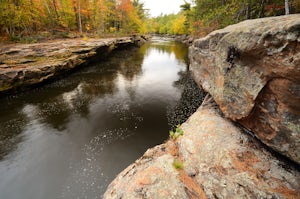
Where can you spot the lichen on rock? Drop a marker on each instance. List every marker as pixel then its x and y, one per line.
pixel 250 69
pixel 219 161
pixel 23 65
pixel 252 72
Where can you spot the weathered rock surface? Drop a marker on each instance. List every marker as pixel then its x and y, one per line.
pixel 186 39
pixel 23 65
pixel 252 70
pixel 219 161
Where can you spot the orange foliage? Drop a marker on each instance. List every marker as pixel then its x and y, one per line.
pixel 125 6
pixel 202 30
pixel 274 7
pixel 95 16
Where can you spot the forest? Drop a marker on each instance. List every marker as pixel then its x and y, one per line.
pixel 19 18
pixel 34 19
pixel 200 17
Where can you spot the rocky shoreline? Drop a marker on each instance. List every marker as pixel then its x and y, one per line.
pixel 252 71
pixel 213 159
pixel 185 39
pixel 25 65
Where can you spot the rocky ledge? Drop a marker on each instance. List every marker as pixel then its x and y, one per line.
pixel 185 39
pixel 24 65
pixel 212 159
pixel 252 72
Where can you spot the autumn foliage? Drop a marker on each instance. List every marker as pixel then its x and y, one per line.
pixel 43 18
pixel 200 17
pixel 19 18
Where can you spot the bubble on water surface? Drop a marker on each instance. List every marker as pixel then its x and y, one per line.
pixel 191 98
pixel 87 178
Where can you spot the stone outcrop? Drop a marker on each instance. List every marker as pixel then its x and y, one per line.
pixel 213 159
pixel 252 70
pixel 186 39
pixel 23 65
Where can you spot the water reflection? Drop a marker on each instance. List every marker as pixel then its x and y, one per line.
pixel 70 138
pixel 172 48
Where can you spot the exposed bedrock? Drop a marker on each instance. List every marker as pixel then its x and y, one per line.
pixel 252 70
pixel 24 65
pixel 213 159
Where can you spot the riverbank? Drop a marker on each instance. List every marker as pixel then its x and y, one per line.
pixel 25 65
pixel 212 159
pixel 243 142
pixel 71 137
pixel 185 39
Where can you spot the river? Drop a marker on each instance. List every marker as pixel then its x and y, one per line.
pixel 70 138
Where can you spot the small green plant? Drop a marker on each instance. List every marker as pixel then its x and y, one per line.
pixel 178 132
pixel 177 164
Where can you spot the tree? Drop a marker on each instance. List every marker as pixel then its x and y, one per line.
pixel 186 10
pixel 207 15
pixel 79 18
pixel 28 17
pixel 130 16
pixel 287 10
pixel 179 25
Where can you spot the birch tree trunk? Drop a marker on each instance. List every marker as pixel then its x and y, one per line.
pixel 79 18
pixel 287 10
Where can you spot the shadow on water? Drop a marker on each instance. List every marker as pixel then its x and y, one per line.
pixel 70 138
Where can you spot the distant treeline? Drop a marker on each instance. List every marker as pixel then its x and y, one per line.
pixel 27 17
pixel 203 16
pixel 23 18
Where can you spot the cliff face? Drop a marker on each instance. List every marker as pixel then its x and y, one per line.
pixel 23 65
pixel 252 70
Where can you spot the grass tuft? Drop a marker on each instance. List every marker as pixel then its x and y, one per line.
pixel 178 132
pixel 177 164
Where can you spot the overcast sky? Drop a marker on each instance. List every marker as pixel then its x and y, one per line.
pixel 156 7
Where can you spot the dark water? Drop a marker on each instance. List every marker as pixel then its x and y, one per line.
pixel 70 138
